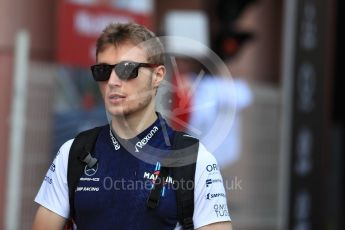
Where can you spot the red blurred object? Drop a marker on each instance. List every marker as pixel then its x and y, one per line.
pixel 88 101
pixel 80 25
pixel 230 45
pixel 181 103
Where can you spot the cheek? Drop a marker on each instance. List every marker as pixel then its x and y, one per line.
pixel 102 87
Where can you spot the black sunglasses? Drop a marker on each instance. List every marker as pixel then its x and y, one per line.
pixel 125 70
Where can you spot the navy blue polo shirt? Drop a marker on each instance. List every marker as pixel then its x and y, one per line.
pixel 113 194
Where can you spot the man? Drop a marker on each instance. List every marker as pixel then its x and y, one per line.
pixel 129 70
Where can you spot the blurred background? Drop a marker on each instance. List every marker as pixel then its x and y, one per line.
pixel 278 122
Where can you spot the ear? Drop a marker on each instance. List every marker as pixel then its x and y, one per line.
pixel 158 76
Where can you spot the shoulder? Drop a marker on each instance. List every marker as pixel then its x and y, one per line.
pixel 206 165
pixel 53 194
pixel 83 137
pixel 65 148
pixel 61 158
pixel 67 145
pixel 205 158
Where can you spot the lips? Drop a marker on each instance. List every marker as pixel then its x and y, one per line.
pixel 115 98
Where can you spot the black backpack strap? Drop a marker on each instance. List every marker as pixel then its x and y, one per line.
pixel 155 193
pixel 80 154
pixel 184 175
pixel 183 145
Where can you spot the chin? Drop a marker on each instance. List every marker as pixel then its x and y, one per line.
pixel 116 112
pixel 136 109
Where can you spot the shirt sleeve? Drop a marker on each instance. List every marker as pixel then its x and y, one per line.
pixel 210 203
pixel 53 193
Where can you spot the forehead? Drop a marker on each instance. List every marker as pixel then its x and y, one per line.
pixel 113 54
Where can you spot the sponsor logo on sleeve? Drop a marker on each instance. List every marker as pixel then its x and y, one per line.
pixel 52 167
pixel 212 181
pixel 210 196
pixel 212 169
pixel 221 210
pixel 48 179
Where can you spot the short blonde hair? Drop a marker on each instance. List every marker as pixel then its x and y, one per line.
pixel 120 33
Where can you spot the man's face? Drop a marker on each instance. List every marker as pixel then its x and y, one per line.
pixel 134 96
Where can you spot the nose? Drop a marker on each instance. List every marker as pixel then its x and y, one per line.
pixel 114 80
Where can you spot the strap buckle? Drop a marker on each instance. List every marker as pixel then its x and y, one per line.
pixel 89 160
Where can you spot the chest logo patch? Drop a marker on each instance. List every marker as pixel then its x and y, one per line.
pixel 90 171
pixel 153 177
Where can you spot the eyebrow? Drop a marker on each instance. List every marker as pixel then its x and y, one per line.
pixel 105 63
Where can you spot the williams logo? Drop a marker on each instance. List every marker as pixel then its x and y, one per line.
pixel 153 177
pixel 90 171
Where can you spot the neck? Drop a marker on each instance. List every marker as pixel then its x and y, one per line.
pixel 129 126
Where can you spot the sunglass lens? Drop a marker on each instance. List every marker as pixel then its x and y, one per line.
pixel 101 72
pixel 126 70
